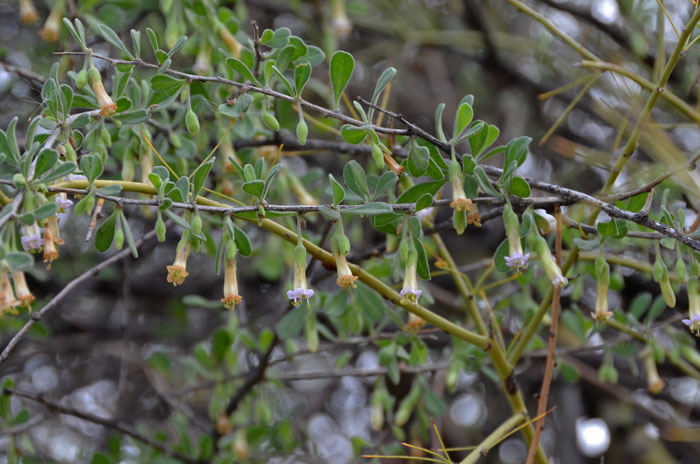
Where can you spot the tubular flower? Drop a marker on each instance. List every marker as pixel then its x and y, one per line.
pixel 459 202
pixel 655 384
pixel 108 107
pixel 31 238
pixel 50 250
pixel 8 302
pixel 415 322
pixel 233 45
pixel 341 23
pixel 550 266
pixel 693 321
pixel 52 26
pixel 516 260
pixel 602 269
pixel 301 289
pixel 410 289
pixel 345 278
pixel 178 271
pixel 473 216
pixel 231 297
pixel 52 223
pixel 27 12
pixel 24 295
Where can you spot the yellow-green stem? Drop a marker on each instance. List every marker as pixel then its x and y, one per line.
pixel 494 438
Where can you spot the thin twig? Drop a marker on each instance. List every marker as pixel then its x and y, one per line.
pixel 112 424
pixel 549 367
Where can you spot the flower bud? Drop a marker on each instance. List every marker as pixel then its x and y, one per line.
pixel 377 155
pixel 119 239
pixel 655 384
pixel 160 228
pixel 302 131
pixel 270 121
pixel 192 123
pixel 603 280
pixel 82 79
pixel 550 266
pixel 196 224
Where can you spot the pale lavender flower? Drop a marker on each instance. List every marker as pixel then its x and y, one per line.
pixel 517 260
pixel 693 324
pixel 300 293
pixel 32 238
pixel 410 291
pixel 63 202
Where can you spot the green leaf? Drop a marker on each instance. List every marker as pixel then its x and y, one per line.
pixel 329 213
pixel 242 69
pixel 418 190
pixel 341 66
pixel 353 134
pixel 499 258
pixel 616 228
pixel 291 324
pixel 276 39
pixel 73 32
pixel 284 80
pixel 385 183
pixel 382 82
pixel 91 165
pixel 105 233
pixel 132 117
pixel 483 139
pixel 484 181
pixel 62 170
pixel 166 83
pixel 19 260
pixel 45 210
pixel 338 191
pixel 45 161
pixel 110 36
pixel 463 118
pixel 301 76
pixel 423 268
pixel 242 241
pixel 180 42
pixel 438 122
pixel 637 202
pixel 6 149
pixel 418 159
pixel 356 180
pixel 100 458
pixel 516 150
pixel 220 344
pixel 22 417
pixel 424 201
pixel 519 187
pixel 200 177
pixel 254 188
pixel 128 235
pixel 587 245
pixel 241 105
pixel 369 209
pixel 110 190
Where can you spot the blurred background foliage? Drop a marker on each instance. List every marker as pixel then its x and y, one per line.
pixel 130 348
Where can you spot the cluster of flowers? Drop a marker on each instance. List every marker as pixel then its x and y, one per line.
pixel 14 292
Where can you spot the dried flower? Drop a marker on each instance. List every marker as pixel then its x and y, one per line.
pixel 104 101
pixel 415 322
pixel 24 295
pixel 655 384
pixel 345 278
pixel 340 22
pixel 52 223
pixel 8 302
pixel 50 250
pixel 27 12
pixel 178 271
pixel 52 26
pixel 459 202
pixel 231 297
pixel 301 290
